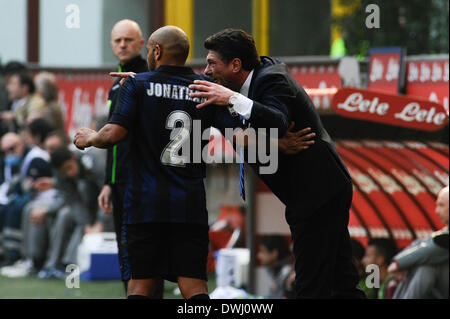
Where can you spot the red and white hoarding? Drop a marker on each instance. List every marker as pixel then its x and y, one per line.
pixel 405 111
pixel 318 77
pixel 83 96
pixel 386 69
pixel 428 79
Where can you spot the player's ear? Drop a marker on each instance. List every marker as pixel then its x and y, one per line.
pixel 158 52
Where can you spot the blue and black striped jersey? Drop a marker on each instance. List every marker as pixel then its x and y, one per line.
pixel 165 181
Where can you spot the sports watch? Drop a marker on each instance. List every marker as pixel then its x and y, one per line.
pixel 231 102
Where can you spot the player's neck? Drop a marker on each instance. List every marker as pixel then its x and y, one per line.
pixel 169 63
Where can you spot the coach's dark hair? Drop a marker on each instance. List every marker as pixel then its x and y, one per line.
pixel 234 43
pixel 276 242
pixel 40 127
pixel 385 247
pixel 59 156
pixel 26 79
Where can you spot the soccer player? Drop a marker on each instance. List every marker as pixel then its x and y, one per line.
pixel 164 205
pixel 126 43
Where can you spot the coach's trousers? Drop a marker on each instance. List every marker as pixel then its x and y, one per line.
pixel 323 254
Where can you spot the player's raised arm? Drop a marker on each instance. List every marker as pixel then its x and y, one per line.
pixel 118 125
pixel 109 135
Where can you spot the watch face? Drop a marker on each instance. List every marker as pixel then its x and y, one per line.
pixel 233 99
pixel 232 112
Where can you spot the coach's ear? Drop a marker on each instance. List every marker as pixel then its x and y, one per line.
pixel 236 65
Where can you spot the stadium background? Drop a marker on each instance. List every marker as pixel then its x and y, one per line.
pixel 300 34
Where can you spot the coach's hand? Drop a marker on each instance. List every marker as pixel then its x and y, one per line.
pixel 294 142
pixel 122 75
pixel 215 93
pixel 81 139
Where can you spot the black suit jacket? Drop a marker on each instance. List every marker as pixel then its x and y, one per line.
pixel 306 180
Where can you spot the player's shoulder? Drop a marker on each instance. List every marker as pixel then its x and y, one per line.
pixel 144 76
pixel 203 77
pixel 138 80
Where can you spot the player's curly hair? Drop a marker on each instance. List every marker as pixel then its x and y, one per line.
pixel 234 43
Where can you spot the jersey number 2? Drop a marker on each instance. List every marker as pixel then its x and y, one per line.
pixel 178 136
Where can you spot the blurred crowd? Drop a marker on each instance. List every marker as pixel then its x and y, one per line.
pixel 48 188
pixel 49 191
pixel 419 271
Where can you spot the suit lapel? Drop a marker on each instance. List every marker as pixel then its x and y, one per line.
pixel 252 83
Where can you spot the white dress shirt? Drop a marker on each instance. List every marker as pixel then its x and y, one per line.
pixel 244 105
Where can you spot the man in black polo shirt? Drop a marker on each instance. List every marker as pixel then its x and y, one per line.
pixel 126 42
pixel 164 205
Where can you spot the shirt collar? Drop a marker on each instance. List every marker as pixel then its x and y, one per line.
pixel 246 86
pixel 132 65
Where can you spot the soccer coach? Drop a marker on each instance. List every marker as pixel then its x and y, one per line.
pixel 314 184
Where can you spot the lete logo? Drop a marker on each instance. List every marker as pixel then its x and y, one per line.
pixel 390 109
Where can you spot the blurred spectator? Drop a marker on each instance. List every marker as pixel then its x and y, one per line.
pixel 380 252
pixel 36 224
pixel 46 88
pixel 36 132
pixel 79 191
pixel 53 141
pixel 93 159
pixel 422 268
pixel 35 219
pixel 358 252
pixel 21 92
pixel 274 253
pixel 22 165
pixel 13 152
pixel 56 140
pixel 6 70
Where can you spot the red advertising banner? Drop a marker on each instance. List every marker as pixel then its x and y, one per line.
pixel 428 80
pixel 386 69
pixel 321 77
pixel 319 80
pixel 82 96
pixel 390 109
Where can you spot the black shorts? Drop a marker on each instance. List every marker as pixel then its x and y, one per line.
pixel 167 250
